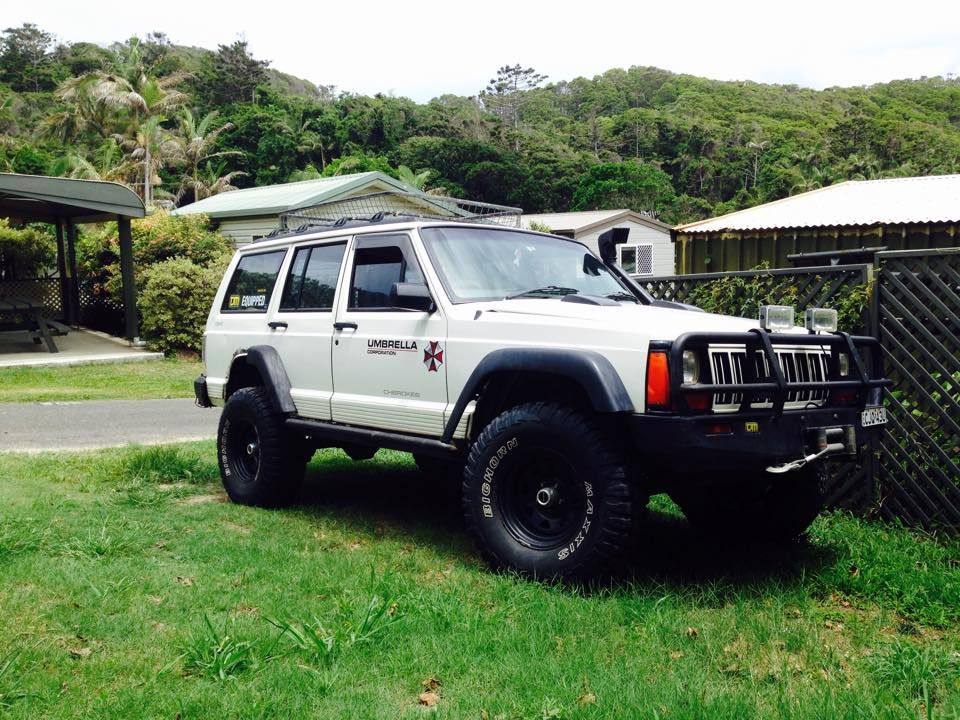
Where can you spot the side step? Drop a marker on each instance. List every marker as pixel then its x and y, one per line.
pixel 333 435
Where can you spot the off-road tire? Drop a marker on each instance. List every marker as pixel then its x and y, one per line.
pixel 269 473
pixel 553 446
pixel 762 507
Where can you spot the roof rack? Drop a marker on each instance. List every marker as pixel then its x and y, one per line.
pixel 395 206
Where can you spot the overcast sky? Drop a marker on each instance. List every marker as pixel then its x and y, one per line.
pixel 425 49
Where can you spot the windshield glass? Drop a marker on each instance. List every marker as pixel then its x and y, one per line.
pixel 486 264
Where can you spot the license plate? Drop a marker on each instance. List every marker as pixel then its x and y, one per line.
pixel 873 416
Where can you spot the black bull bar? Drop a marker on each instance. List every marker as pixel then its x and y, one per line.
pixel 776 388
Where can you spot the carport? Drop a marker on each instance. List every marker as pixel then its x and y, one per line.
pixel 66 203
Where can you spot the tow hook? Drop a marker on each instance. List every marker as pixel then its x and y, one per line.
pixel 796 464
pixel 822 438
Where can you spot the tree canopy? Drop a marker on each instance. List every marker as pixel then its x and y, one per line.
pixel 178 123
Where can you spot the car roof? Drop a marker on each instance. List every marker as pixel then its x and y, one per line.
pixel 337 233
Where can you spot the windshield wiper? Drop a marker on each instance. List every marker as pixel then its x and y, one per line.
pixel 546 290
pixel 623 296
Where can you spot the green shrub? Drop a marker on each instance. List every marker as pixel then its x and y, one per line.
pixel 743 296
pixel 26 252
pixel 156 238
pixel 175 297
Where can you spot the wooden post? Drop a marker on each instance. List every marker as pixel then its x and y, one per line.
pixel 62 272
pixel 73 285
pixel 131 323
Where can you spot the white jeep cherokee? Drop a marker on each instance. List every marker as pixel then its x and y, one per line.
pixel 555 388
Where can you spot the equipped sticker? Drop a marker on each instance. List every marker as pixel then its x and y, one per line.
pixel 433 356
pixel 252 301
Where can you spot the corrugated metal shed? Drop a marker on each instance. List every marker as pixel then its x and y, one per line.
pixel 276 199
pixel 583 221
pixel 933 199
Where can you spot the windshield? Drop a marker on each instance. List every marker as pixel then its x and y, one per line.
pixel 486 264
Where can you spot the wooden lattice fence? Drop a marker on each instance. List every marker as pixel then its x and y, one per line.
pixel 98 310
pixel 917 318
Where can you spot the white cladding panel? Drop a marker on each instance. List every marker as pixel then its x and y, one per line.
pixel 243 230
pixel 640 235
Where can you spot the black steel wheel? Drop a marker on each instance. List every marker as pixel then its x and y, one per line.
pixel 259 463
pixel 545 493
pixel 542 501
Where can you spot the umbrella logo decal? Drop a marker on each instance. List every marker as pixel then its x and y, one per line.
pixel 433 356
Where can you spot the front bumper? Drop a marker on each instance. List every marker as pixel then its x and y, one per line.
pixel 698 444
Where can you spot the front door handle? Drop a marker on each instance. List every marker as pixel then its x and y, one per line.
pixel 344 326
pixel 274 324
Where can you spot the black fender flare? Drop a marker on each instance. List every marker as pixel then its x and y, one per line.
pixel 266 360
pixel 588 368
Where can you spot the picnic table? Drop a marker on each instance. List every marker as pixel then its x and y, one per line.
pixel 41 329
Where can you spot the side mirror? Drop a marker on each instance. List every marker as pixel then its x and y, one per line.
pixel 412 296
pixel 608 241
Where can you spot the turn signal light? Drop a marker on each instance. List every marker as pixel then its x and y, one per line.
pixel 658 381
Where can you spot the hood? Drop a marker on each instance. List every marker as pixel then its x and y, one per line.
pixel 664 323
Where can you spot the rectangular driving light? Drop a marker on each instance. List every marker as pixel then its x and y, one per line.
pixel 820 320
pixel 776 317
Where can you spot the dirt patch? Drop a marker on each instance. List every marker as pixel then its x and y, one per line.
pixel 202 499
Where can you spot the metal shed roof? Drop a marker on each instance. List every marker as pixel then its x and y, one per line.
pixel 42 198
pixel 276 199
pixel 931 199
pixel 585 220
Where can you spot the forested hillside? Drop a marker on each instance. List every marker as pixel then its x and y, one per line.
pixel 181 123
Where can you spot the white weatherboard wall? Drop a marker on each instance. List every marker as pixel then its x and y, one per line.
pixel 639 234
pixel 243 230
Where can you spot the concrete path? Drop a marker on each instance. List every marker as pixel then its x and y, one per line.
pixel 38 427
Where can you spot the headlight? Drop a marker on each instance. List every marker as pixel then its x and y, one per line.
pixel 776 317
pixel 843 364
pixel 691 367
pixel 820 319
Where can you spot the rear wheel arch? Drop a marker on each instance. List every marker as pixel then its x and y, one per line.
pixel 261 366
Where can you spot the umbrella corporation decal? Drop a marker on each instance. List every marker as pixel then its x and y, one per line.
pixel 432 351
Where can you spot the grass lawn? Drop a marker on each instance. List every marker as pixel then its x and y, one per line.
pixel 131 589
pixel 170 378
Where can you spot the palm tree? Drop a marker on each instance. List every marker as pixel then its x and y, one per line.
pixel 152 147
pixel 126 102
pixel 108 164
pixel 416 180
pixel 195 142
pixel 211 180
pixel 305 131
pixel 310 172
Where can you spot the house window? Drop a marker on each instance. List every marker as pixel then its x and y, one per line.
pixel 636 259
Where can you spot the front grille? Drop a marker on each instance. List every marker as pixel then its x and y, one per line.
pixel 806 364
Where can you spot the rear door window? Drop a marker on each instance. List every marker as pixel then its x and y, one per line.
pixel 312 280
pixel 252 283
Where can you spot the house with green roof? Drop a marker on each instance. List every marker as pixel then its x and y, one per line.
pixel 250 214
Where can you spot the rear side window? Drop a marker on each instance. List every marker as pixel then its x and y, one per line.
pixel 312 280
pixel 252 283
